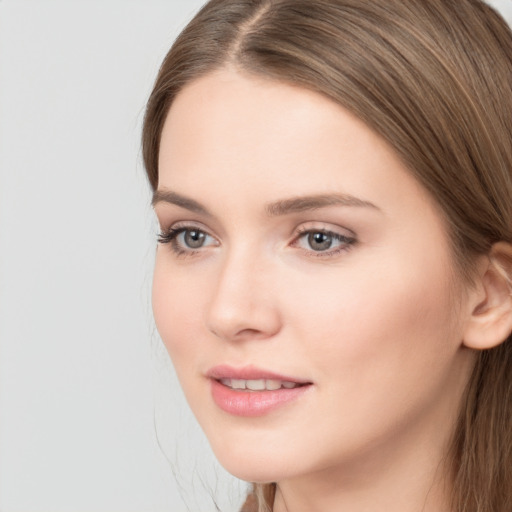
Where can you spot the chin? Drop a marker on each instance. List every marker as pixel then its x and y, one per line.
pixel 260 472
pixel 253 463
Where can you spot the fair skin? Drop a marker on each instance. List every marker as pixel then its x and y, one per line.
pixel 353 294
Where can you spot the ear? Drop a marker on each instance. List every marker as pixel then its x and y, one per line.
pixel 491 319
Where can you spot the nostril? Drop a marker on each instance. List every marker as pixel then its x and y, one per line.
pixel 250 333
pixel 243 334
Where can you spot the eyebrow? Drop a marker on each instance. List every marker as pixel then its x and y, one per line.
pixel 275 209
pixel 167 196
pixel 306 203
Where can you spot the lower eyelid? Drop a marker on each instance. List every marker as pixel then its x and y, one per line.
pixel 329 254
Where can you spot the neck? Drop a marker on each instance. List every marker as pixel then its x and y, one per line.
pixel 390 491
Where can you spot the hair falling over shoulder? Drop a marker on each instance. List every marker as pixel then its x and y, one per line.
pixel 433 78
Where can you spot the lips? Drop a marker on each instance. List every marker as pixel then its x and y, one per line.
pixel 249 373
pixel 250 391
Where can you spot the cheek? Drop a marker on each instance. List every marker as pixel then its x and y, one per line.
pixel 382 351
pixel 177 306
pixel 177 309
pixel 376 325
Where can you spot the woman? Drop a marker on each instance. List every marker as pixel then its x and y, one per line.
pixel 333 183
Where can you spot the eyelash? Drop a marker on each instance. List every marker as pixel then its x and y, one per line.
pixel 346 242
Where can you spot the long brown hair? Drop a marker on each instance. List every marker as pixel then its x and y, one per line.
pixel 434 79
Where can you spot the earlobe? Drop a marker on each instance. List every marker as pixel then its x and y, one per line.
pixel 491 319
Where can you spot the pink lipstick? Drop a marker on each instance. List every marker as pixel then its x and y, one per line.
pixel 250 391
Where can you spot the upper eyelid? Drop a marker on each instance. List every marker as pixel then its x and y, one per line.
pixel 171 217
pixel 324 227
pixel 186 224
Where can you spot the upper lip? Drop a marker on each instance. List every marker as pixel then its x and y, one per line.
pixel 249 373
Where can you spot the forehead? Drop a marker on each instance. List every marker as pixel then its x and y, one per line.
pixel 230 125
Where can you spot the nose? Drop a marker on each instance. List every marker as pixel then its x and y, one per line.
pixel 244 305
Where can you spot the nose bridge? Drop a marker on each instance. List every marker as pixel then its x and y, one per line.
pixel 242 302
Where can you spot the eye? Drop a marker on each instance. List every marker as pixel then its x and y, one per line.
pixel 192 238
pixel 187 239
pixel 320 241
pixel 323 242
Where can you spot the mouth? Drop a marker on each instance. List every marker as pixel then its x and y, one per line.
pixel 259 384
pixel 250 391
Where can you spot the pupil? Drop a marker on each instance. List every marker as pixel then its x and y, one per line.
pixel 194 239
pixel 319 241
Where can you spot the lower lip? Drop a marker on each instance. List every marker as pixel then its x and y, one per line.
pixel 253 403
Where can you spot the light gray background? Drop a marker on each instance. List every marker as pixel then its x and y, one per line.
pixel 85 387
pixel 82 375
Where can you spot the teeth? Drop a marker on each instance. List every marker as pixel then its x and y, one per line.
pixel 238 384
pixel 255 385
pixel 272 385
pixel 258 384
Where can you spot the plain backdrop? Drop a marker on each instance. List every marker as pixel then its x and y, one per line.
pixel 84 385
pixel 91 418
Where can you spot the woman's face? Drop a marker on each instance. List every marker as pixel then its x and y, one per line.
pixel 304 286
